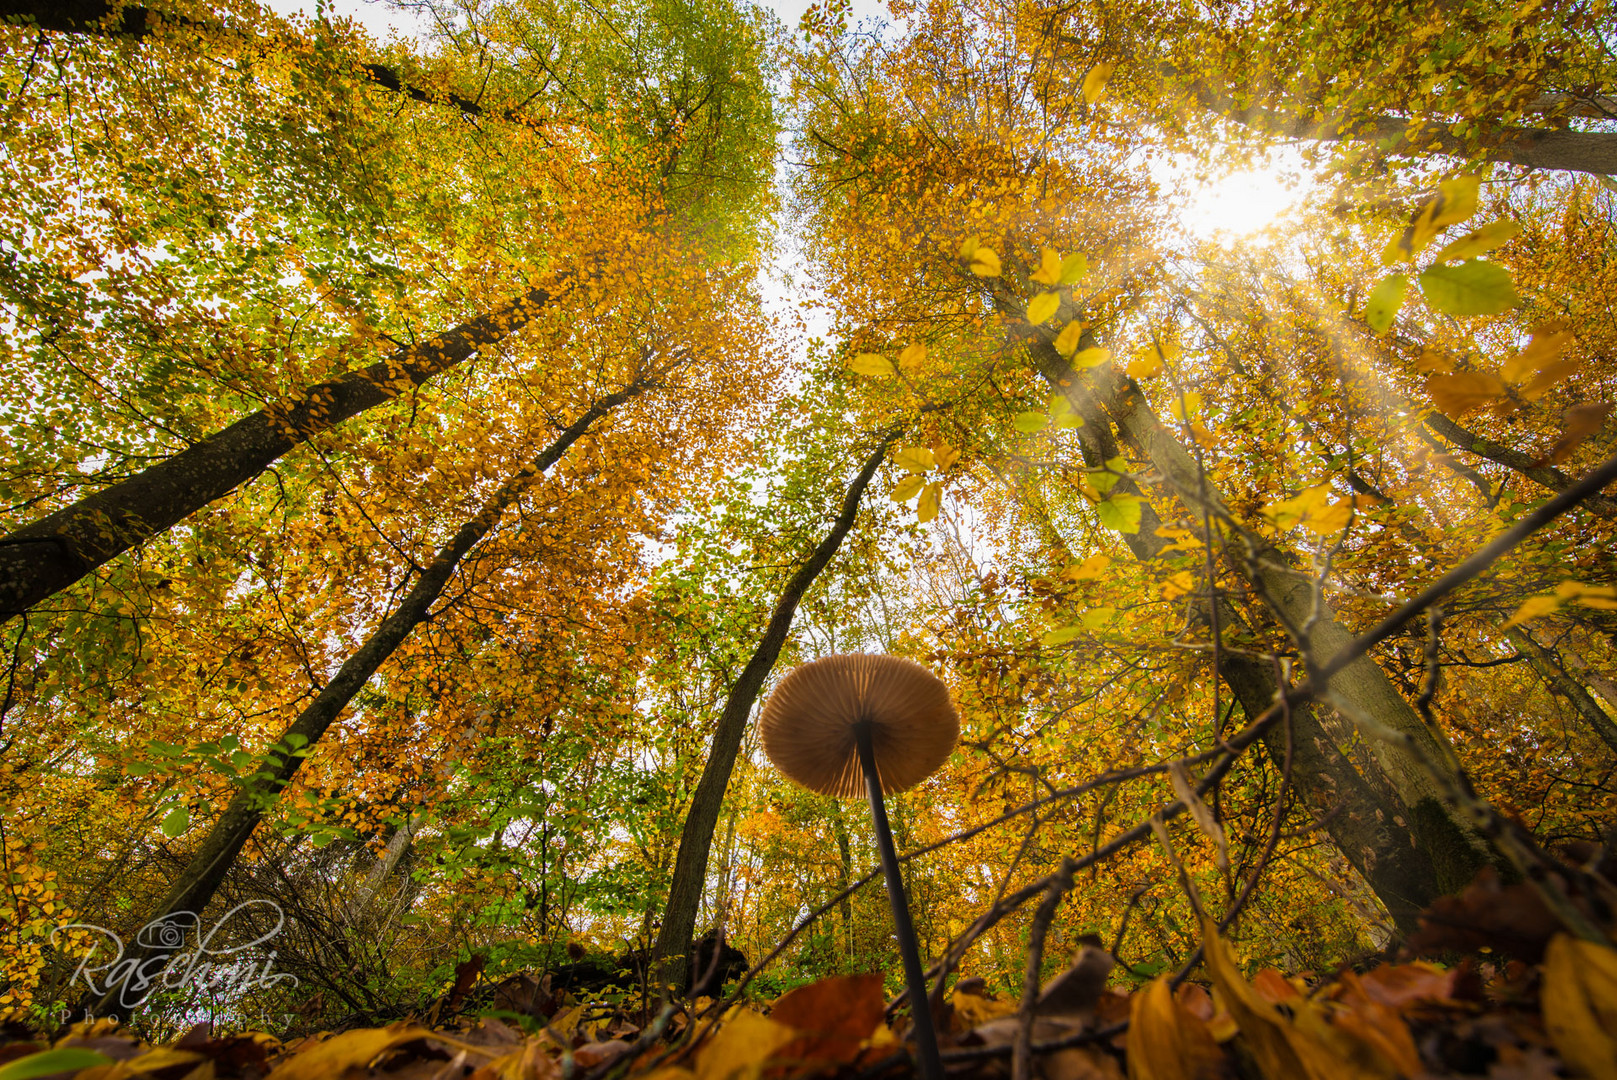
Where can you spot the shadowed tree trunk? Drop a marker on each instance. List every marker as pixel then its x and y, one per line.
pixel 52 553
pixel 1547 663
pixel 1408 856
pixel 696 839
pixel 217 852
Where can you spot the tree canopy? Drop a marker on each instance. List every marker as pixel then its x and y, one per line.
pixel 412 490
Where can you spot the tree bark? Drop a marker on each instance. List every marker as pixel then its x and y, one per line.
pixel 1364 824
pixel 1455 849
pixel 696 839
pixel 1542 474
pixel 1589 152
pixel 218 850
pixel 1547 663
pixel 52 553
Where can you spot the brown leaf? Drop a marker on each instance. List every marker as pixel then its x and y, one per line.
pixel 340 1052
pixel 1464 391
pixel 593 1054
pixel 1577 424
pixel 834 1015
pixel 1073 993
pixel 1509 919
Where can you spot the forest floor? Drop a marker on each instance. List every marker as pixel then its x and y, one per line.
pixel 1492 986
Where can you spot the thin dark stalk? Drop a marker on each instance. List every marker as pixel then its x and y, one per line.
pixel 926 1039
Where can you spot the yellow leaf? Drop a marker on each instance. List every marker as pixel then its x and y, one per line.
pixel 871 364
pixel 931 498
pixel 1067 341
pixel 915 459
pixel 906 489
pixel 1548 342
pixel 1178 585
pixel 1186 406
pixel 744 1041
pixel 1532 608
pixel 350 1050
pixel 1146 362
pixel 968 248
pixel 1049 271
pixel 972 1010
pixel 1091 569
pixel 1330 520
pixel 1088 358
pixel 1456 200
pixel 1464 391
pixel 985 262
pixel 1580 1004
pixel 1281 1051
pixel 945 456
pixel 1095 82
pixel 1042 306
pixel 1061 413
pixel 1479 241
pixel 912 357
pixel 1073 267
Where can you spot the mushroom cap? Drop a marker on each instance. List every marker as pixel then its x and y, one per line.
pixel 808 723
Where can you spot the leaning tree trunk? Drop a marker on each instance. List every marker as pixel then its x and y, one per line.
pixel 218 850
pixel 1366 827
pixel 696 839
pixel 52 553
pixel 1446 838
pixel 1592 152
pixel 1562 684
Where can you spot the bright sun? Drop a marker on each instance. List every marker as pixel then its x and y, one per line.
pixel 1239 205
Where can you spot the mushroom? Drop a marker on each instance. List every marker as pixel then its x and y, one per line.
pixel 877 724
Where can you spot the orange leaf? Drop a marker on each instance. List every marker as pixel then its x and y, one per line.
pixel 1464 391
pixel 1577 424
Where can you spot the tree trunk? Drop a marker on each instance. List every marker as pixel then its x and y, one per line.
pixel 696 839
pixel 138 21
pixel 218 850
pixel 1455 849
pixel 839 827
pixel 1593 152
pixel 1560 681
pixel 1542 474
pixel 1407 860
pixel 52 553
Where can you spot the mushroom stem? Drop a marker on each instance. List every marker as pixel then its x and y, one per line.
pixel 926 1039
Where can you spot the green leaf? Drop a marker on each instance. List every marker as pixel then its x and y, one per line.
pixel 1030 422
pixel 1095 618
pixel 1480 241
pixel 1061 636
pixel 46 1062
pixel 1385 300
pixel 1121 512
pixel 176 821
pixel 1469 288
pixel 294 740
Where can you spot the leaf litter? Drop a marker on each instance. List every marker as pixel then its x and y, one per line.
pixel 1490 986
